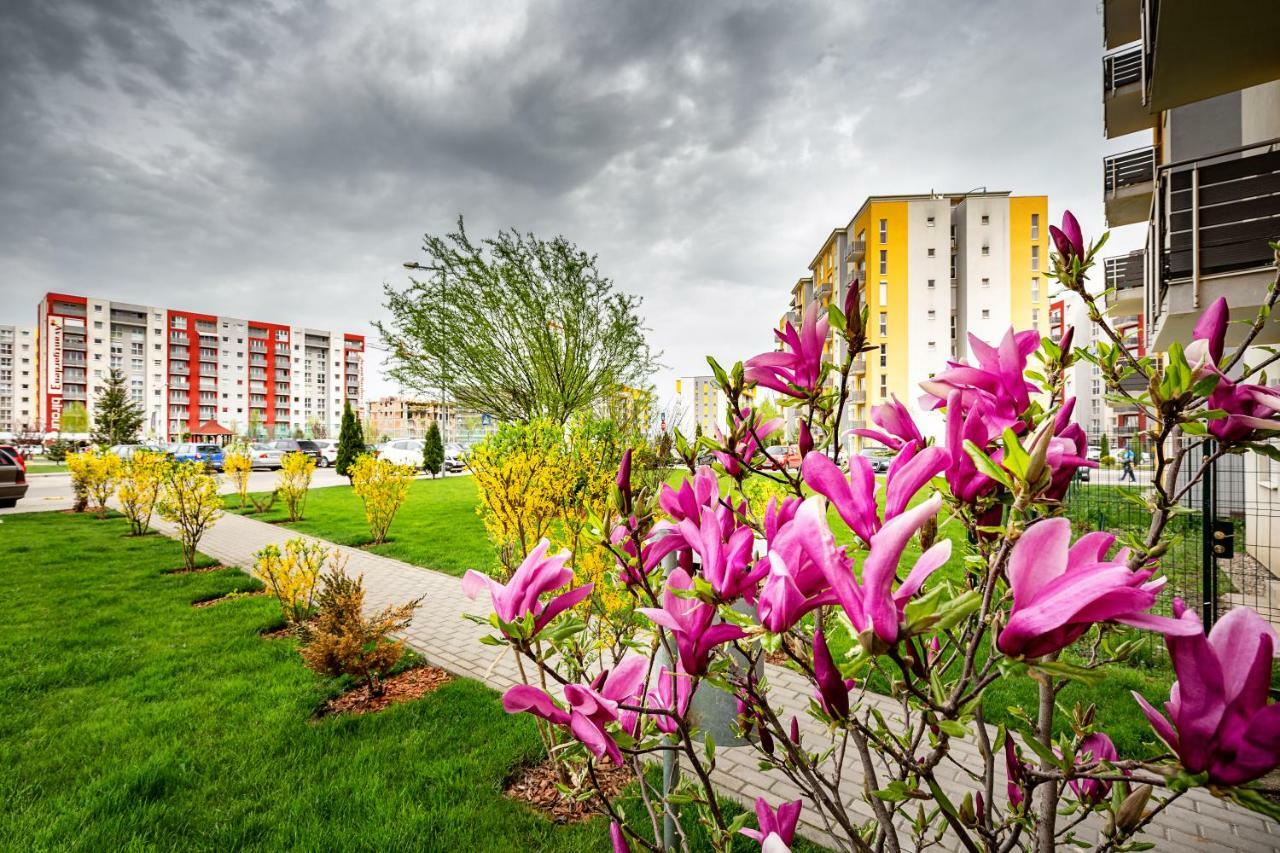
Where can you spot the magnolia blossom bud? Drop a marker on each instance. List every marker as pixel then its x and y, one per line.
pixel 806 439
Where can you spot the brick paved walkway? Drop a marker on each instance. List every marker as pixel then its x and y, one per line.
pixel 1199 822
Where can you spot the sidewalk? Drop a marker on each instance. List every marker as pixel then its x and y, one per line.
pixel 1198 822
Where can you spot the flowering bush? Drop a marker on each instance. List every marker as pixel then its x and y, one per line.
pixel 189 499
pixel 291 575
pixel 382 486
pixel 140 481
pixel 293 482
pixel 237 465
pixel 720 583
pixel 93 477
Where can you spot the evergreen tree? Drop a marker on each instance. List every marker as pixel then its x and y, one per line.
pixel 117 419
pixel 433 451
pixel 350 441
pixel 1105 450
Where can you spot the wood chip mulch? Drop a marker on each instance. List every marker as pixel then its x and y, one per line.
pixel 279 633
pixel 536 786
pixel 209 602
pixel 404 687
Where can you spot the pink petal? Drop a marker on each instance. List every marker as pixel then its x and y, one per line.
pixel 1039 556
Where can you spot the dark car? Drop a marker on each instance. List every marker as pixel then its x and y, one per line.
pixel 13 479
pixel 300 445
pixel 879 460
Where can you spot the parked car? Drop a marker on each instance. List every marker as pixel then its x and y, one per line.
pixel 300 445
pixel 265 456
pixel 453 457
pixel 404 451
pixel 126 451
pixel 780 456
pixel 328 451
pixel 16 452
pixel 13 479
pixel 209 454
pixel 878 458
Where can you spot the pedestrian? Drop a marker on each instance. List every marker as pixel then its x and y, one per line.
pixel 1126 459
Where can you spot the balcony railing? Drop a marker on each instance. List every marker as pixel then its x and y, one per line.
pixel 857 250
pixel 1123 68
pixel 1130 169
pixel 1125 271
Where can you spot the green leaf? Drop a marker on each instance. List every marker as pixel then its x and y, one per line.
pixel 954 728
pixel 1062 669
pixel 986 466
pixel 1016 458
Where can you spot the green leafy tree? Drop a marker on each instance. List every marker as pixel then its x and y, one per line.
pixel 433 451
pixel 350 441
pixel 255 430
pixel 58 450
pixel 75 418
pixel 514 326
pixel 117 419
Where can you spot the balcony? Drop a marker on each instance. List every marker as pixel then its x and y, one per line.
pixel 859 365
pixel 1121 22
pixel 1127 183
pixel 1124 83
pixel 1212 221
pixel 822 291
pixel 858 396
pixel 857 250
pixel 1125 276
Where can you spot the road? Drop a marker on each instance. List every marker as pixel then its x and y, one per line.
pixel 53 491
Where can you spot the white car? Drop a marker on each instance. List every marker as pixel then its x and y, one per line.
pixel 264 456
pixel 328 450
pixel 404 451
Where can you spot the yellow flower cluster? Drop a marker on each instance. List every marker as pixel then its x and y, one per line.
pixel 294 480
pixel 140 481
pixel 189 499
pixel 292 574
pixel 93 476
pixel 383 486
pixel 237 465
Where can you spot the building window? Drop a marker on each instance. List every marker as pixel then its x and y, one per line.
pixel 884 262
pixel 884 231
pixel 884 293
pixel 1035 289
pixel 1035 226
pixel 986 220
pixel 932 252
pixel 884 323
pixel 929 221
pixel 1035 257
pixel 884 355
pixel 986 313
pixel 933 315
pixel 932 284
pixel 986 250
pixel 1035 316
pixel 933 346
pixel 986 282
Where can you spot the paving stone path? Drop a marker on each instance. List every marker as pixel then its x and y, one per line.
pixel 1198 822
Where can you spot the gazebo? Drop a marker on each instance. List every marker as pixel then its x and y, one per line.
pixel 211 431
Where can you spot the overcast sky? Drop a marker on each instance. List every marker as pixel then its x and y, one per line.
pixel 280 161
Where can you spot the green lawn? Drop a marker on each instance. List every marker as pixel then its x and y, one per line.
pixel 44 467
pixel 437 528
pixel 135 721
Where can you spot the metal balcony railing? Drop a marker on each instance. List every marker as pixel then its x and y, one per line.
pixel 857 250
pixel 1129 169
pixel 1125 271
pixel 1123 68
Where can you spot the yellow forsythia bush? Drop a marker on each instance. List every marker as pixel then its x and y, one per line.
pixel 292 575
pixel 294 481
pixel 139 489
pixel 189 499
pixel 93 477
pixel 383 486
pixel 237 465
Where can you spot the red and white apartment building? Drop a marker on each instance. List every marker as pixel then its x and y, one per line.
pixel 186 368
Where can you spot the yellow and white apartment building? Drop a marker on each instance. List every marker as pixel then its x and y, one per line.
pixel 933 268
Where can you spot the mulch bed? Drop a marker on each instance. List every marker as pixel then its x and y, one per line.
pixel 404 687
pixel 282 631
pixel 198 570
pixel 209 602
pixel 536 786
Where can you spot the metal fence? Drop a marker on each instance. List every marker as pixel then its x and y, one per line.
pixel 1224 548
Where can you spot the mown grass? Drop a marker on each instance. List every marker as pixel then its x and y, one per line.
pixel 135 721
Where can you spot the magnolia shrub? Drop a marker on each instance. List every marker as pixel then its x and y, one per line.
pixel 189 500
pixel 382 486
pixel 294 481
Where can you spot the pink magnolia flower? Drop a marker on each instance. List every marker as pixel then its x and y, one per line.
pixel 743 449
pixel 798 547
pixel 623 480
pixel 874 604
pixel 1209 338
pixel 618 838
pixel 724 551
pixel 1060 590
pixel 653 547
pixel 692 624
pixel 897 427
pixel 966 482
pixel 833 689
pixel 692 496
pixel 796 369
pixel 671 692
pixel 780 824
pixel 590 708
pixel 1219 721
pixel 518 597
pixel 997 378
pixel 1069 239
pixel 1068 452
pixel 1015 772
pixel 855 498
pixel 1094 748
pixel 1253 411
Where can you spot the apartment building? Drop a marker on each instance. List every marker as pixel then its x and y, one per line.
pixel 409 417
pixel 933 268
pixel 1201 83
pixel 185 368
pixel 17 383
pixel 707 404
